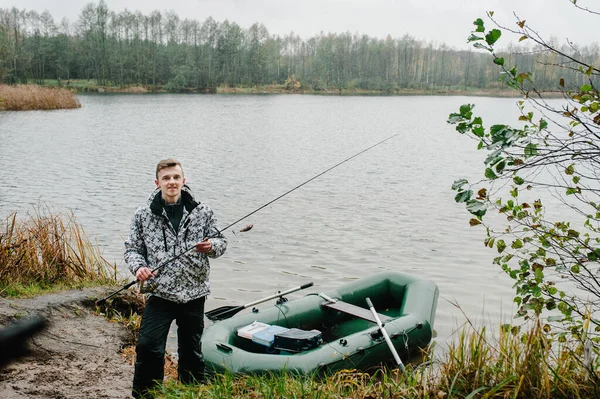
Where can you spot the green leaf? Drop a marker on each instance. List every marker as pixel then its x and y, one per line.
pixel 477 208
pixel 585 88
pixel 576 179
pixel 478 131
pixel 479 24
pixel 463 196
pixel 489 173
pixel 454 118
pixel 523 76
pixel 517 244
pixel 493 36
pixel 482 46
pixel 499 61
pixel 474 38
pixel 493 157
pixel 500 245
pixel 543 124
pixel 594 255
pixel 575 269
pixel 466 110
pixel 463 127
pixel 500 167
pixel 518 180
pixel 570 169
pixel 459 183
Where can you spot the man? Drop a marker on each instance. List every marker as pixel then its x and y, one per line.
pixel 170 223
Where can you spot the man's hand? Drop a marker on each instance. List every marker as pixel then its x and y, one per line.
pixel 144 273
pixel 204 246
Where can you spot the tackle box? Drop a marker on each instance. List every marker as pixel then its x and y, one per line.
pixel 295 340
pixel 267 336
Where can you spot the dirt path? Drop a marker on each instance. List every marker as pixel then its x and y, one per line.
pixel 77 356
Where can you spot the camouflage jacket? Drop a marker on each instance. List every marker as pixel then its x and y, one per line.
pixel 152 240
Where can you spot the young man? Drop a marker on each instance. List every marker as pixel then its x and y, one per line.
pixel 170 223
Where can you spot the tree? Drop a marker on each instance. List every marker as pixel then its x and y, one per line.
pixel 543 177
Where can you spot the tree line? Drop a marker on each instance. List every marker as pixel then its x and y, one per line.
pixel 161 49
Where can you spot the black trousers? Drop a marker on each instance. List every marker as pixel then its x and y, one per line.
pixel 150 351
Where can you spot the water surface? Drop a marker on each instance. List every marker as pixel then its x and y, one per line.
pixel 390 208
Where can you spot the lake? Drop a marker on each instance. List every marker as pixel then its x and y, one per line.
pixel 389 208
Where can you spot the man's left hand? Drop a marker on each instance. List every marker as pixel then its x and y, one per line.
pixel 204 246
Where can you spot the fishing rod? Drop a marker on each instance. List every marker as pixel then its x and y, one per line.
pixel 163 264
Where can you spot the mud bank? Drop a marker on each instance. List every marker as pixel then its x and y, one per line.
pixel 77 356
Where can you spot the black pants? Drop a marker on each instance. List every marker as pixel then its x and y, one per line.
pixel 150 350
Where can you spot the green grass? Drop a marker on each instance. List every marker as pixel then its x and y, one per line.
pixel 528 365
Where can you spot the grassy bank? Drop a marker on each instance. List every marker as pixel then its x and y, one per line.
pixel 519 366
pixel 507 364
pixel 33 97
pixel 46 252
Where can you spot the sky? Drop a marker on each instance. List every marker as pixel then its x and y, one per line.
pixel 437 21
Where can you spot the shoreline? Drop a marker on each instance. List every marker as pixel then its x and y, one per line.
pixel 267 90
pixel 79 86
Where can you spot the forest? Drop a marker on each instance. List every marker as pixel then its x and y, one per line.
pixel 162 50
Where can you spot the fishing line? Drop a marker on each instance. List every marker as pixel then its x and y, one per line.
pixel 306 182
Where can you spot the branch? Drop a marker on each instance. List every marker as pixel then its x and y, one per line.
pixel 574 2
pixel 533 35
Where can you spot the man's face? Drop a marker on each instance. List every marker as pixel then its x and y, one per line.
pixel 170 182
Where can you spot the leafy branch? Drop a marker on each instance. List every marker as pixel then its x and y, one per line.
pixel 552 151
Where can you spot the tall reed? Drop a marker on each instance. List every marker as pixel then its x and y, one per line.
pixel 532 364
pixel 45 250
pixel 32 97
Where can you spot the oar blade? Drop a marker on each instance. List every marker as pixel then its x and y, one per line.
pixel 223 312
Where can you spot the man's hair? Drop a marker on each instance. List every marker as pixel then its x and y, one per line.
pixel 167 163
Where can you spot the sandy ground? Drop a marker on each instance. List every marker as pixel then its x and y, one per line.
pixel 77 356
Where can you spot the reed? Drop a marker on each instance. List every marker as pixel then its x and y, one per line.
pixel 47 251
pixel 32 97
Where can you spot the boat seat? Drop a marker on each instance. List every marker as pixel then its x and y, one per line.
pixel 355 311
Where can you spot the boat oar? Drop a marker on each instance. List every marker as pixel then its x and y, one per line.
pixel 385 335
pixel 226 312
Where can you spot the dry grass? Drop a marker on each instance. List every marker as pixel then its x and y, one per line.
pixel 45 251
pixel 32 97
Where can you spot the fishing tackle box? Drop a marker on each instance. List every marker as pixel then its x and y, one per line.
pixel 279 339
pixel 295 340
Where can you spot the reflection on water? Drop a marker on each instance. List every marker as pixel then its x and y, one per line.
pixel 389 208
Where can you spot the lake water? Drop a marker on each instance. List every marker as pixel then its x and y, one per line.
pixel 388 208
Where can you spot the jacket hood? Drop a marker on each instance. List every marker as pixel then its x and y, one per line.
pixel 187 198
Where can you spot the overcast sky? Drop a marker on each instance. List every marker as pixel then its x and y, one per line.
pixel 439 21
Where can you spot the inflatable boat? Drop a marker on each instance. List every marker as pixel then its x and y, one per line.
pixel 324 332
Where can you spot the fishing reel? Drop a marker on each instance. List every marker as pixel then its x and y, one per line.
pixel 281 300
